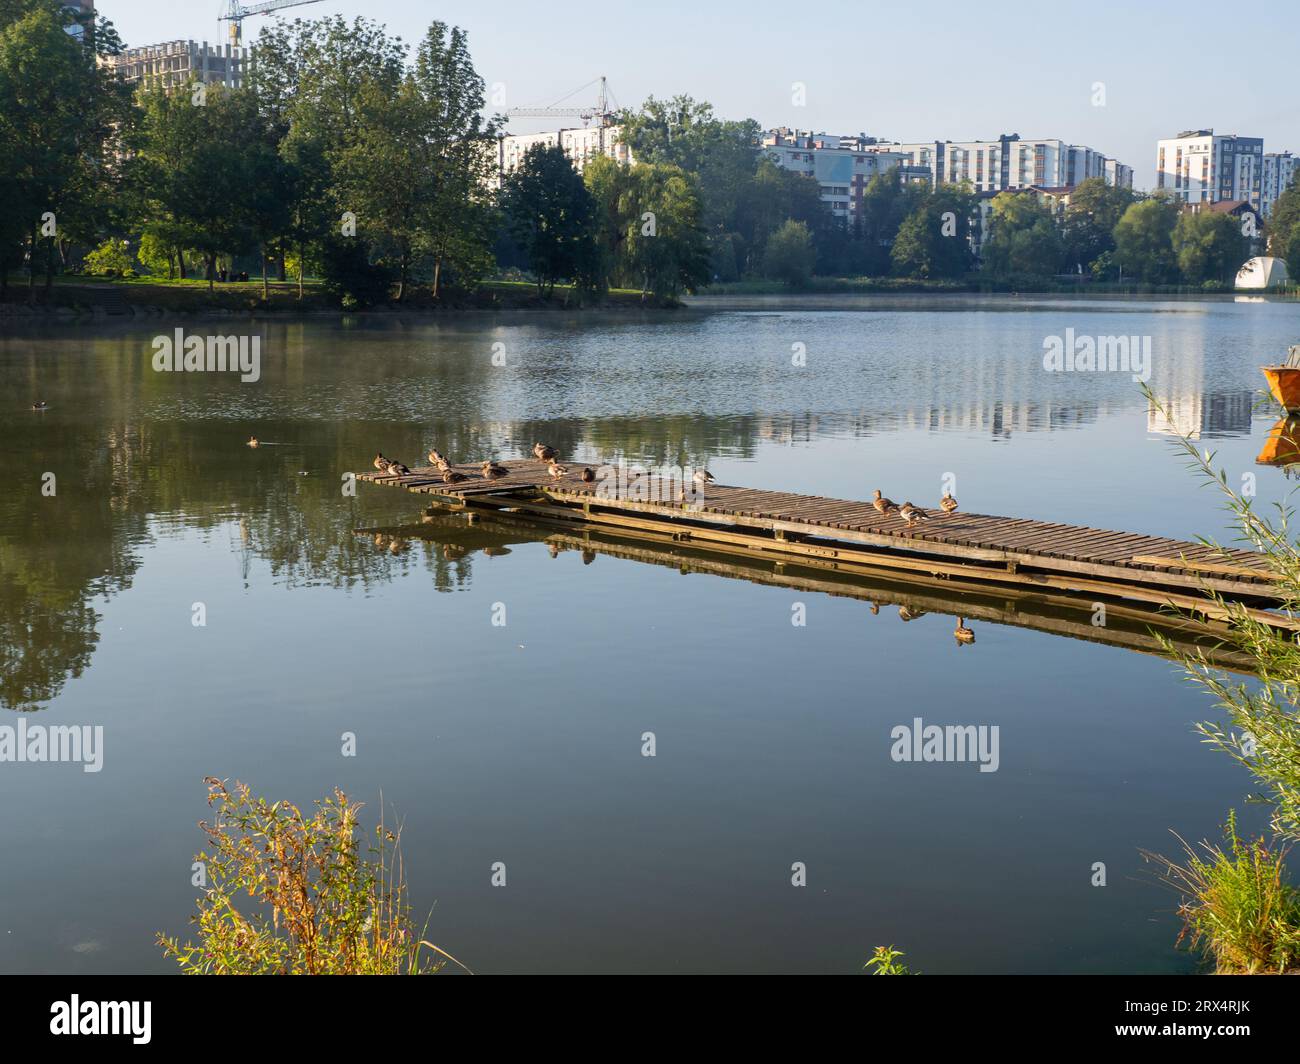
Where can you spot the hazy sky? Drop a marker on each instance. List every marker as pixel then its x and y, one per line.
pixel 903 70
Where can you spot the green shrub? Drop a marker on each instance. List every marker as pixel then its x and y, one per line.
pixel 1237 907
pixel 293 895
pixel 111 259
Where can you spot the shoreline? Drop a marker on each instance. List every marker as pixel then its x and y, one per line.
pixel 106 302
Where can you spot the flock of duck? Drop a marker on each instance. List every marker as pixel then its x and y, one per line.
pixel 491 469
pixel 909 513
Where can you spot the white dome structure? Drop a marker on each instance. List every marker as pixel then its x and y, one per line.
pixel 1263 271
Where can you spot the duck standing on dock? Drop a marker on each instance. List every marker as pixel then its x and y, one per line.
pixel 588 474
pixel 912 514
pixel 436 458
pixel 492 471
pixel 702 477
pixel 395 468
pixel 962 634
pixel 555 469
pixel 381 463
pixel 450 476
pixel 947 504
pixel 545 452
pixel 883 505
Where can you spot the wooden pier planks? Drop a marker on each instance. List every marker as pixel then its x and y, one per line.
pixel 979 538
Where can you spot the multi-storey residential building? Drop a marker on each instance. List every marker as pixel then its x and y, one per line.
pixel 178 63
pixel 580 145
pixel 1280 170
pixel 1010 163
pixel 841 166
pixel 1201 166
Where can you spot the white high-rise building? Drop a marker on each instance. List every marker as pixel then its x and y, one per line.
pixel 1011 162
pixel 1201 166
pixel 580 145
pixel 1280 170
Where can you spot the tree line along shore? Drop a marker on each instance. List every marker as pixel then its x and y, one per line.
pixel 351 170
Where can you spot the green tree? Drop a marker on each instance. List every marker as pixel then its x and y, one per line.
pixel 60 112
pixel 886 202
pixel 1088 231
pixel 309 79
pixel 685 132
pixel 789 255
pixel 1209 247
pixel 1144 245
pixel 460 223
pixel 1023 239
pixel 1284 228
pixel 111 259
pixel 415 165
pixel 648 219
pixel 934 240
pixel 551 216
pixel 197 166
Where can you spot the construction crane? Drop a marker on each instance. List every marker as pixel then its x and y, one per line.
pixel 603 109
pixel 237 12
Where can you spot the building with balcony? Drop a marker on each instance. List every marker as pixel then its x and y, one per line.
pixel 1011 162
pixel 841 166
pixel 1280 171
pixel 581 145
pixel 1201 166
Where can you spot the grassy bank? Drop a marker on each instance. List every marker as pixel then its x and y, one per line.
pixel 149 295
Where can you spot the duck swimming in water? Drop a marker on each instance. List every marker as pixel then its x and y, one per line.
pixel 40 404
pixel 964 636
pixel 252 441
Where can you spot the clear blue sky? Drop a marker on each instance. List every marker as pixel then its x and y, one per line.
pixel 905 70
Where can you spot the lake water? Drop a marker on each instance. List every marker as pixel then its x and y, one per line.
pixel 522 743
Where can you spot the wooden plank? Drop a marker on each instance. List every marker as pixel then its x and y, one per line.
pixel 1209 567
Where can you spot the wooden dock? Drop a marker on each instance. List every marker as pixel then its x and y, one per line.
pixel 972 546
pixel 1131 626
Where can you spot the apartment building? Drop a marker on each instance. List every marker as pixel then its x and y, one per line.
pixel 842 166
pixel 1011 162
pixel 178 63
pixel 580 145
pixel 1201 166
pixel 1280 170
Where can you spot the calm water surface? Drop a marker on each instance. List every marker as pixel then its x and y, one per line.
pixel 522 743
